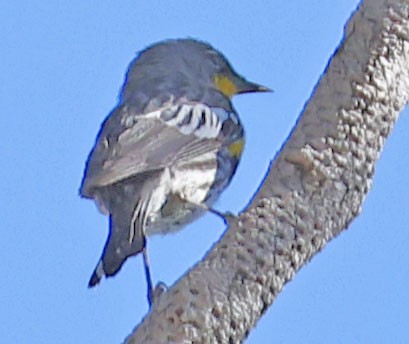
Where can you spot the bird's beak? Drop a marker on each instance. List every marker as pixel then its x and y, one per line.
pixel 244 86
pixel 236 84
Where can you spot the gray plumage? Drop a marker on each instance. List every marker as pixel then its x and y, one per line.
pixel 164 154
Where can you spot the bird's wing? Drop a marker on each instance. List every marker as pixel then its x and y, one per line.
pixel 152 142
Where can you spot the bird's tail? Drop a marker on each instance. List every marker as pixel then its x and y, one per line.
pixel 97 274
pixel 117 249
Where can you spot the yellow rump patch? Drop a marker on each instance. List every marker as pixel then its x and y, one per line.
pixel 236 148
pixel 225 85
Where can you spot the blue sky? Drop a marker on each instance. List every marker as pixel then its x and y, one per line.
pixel 62 64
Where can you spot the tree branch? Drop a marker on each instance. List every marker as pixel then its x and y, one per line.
pixel 313 190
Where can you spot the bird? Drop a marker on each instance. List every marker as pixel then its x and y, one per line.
pixel 168 149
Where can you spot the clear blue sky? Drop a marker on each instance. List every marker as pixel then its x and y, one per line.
pixel 62 64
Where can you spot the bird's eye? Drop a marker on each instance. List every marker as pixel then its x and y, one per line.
pixel 217 62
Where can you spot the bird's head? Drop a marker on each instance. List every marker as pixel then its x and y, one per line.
pixel 184 67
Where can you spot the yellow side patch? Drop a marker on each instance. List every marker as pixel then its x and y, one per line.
pixel 236 148
pixel 225 85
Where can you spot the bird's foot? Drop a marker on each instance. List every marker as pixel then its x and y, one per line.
pixel 154 294
pixel 227 217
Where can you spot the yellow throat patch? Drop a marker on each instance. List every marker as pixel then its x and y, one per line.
pixel 225 85
pixel 236 148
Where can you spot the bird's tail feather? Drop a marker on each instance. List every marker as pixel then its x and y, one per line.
pixel 97 275
pixel 117 249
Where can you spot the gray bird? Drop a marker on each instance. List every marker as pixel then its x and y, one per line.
pixel 169 148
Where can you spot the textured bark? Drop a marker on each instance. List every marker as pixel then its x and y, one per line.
pixel 313 190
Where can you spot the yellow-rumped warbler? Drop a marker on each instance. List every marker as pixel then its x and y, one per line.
pixel 169 148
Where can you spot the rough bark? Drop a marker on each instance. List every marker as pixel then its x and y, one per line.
pixel 314 188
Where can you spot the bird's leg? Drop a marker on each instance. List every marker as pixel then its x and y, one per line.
pixel 147 275
pixel 227 217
